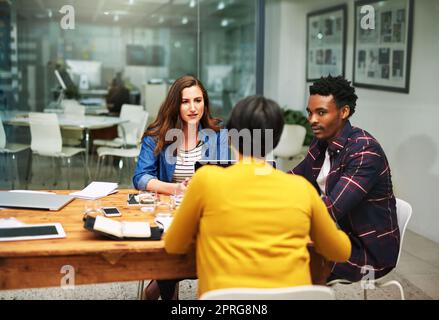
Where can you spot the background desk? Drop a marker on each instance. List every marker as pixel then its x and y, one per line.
pixel 38 263
pixel 85 123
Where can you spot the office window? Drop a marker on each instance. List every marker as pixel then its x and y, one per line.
pixel 92 44
pixel 228 51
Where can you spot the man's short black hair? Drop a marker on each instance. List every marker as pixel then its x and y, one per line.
pixel 252 113
pixel 339 88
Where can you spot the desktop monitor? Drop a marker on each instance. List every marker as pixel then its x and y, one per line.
pixel 85 73
pixel 136 55
pixel 155 56
pixel 64 79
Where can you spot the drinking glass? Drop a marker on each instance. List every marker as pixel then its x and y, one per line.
pixel 147 200
pixel 176 198
pixel 92 206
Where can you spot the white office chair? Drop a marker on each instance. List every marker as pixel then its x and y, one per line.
pixel 403 212
pixel 127 132
pixel 290 293
pixel 155 94
pixel 291 141
pixel 125 153
pixel 72 109
pixel 10 150
pixel 46 141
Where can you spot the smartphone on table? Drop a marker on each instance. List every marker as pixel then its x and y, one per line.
pixel 111 212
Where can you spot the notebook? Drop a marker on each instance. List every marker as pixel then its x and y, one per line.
pixel 96 190
pixel 122 230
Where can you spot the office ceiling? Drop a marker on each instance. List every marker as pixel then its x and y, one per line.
pixel 141 13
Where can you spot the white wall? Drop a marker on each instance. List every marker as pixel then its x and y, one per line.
pixel 405 124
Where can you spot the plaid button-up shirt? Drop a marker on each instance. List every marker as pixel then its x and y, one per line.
pixel 359 197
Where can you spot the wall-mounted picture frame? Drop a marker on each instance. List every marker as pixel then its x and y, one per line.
pixel 326 42
pixel 382 55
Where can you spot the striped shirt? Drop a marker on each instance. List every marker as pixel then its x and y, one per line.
pixel 184 168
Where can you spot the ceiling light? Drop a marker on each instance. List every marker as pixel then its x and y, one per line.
pixel 224 23
pixel 192 3
pixel 221 5
pixel 185 20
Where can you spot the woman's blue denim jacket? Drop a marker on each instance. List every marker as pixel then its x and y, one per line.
pixel 162 166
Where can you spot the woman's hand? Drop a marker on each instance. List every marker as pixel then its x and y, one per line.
pixel 181 187
pixel 186 181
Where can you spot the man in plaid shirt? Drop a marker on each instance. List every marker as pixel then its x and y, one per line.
pixel 350 170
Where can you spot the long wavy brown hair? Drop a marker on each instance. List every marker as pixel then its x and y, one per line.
pixel 169 114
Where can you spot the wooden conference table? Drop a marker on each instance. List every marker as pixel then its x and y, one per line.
pixel 95 259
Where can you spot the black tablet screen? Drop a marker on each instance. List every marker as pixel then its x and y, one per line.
pixel 27 231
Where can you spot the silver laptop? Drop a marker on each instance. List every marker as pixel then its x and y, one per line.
pixel 45 201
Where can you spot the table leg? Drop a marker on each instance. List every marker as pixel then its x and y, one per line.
pixel 87 150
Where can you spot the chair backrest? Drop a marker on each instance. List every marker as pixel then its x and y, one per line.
pixel 132 113
pixel 142 126
pixel 290 293
pixel 155 94
pixel 2 135
pixel 291 141
pixel 403 213
pixel 45 133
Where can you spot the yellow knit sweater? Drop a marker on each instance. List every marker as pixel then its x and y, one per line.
pixel 251 225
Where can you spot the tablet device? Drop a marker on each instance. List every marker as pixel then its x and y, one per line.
pixel 32 232
pixel 133 199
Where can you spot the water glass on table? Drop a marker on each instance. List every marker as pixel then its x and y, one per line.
pixel 147 200
pixel 176 198
pixel 164 206
pixel 92 207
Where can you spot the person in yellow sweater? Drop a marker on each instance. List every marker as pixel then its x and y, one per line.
pixel 251 223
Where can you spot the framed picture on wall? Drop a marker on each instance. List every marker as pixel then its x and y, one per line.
pixel 326 42
pixel 383 44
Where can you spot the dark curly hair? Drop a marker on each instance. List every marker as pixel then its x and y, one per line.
pixel 339 88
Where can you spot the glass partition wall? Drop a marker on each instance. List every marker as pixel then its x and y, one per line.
pixel 144 44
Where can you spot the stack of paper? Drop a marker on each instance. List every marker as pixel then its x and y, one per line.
pixel 10 223
pixel 164 221
pixel 96 190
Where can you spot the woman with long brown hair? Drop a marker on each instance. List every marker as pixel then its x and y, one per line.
pixel 183 132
